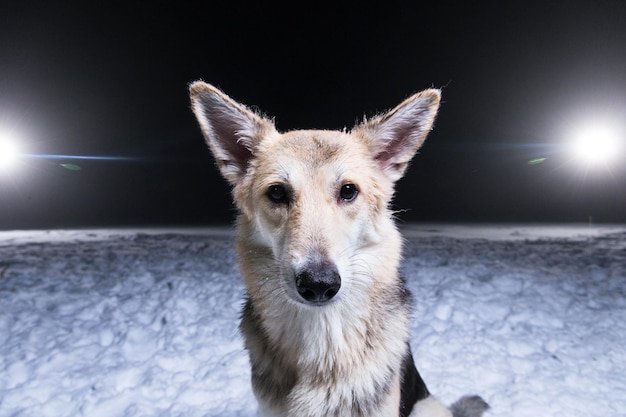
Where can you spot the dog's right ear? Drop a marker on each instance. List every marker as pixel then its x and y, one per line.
pixel 231 130
pixel 395 136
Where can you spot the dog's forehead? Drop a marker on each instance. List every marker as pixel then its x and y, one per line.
pixel 303 154
pixel 315 147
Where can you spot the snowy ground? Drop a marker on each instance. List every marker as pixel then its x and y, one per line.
pixel 144 323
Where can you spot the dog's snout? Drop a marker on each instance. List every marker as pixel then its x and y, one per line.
pixel 318 283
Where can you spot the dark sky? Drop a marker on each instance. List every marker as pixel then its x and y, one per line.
pixel 111 81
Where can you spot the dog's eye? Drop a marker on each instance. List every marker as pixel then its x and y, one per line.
pixel 277 194
pixel 348 192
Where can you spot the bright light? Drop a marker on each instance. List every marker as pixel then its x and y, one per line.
pixel 9 152
pixel 596 143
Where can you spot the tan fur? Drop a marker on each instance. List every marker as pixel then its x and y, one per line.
pixel 341 357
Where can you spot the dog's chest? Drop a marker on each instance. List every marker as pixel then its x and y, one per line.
pixel 326 367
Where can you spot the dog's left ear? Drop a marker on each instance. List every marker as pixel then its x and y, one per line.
pixel 231 130
pixel 395 136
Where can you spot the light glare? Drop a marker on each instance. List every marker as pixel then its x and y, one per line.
pixel 9 152
pixel 596 143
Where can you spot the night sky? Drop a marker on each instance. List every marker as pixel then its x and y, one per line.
pixel 109 82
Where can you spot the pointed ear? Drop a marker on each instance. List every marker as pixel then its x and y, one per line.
pixel 231 130
pixel 394 137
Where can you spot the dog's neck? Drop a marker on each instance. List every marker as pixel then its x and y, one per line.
pixel 348 359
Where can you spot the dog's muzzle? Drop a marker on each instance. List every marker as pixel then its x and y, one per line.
pixel 318 283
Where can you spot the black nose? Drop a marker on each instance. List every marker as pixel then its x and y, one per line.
pixel 318 282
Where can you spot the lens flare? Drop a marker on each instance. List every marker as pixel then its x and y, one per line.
pixel 596 143
pixel 9 152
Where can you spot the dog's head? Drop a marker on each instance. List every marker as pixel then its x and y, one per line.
pixel 314 222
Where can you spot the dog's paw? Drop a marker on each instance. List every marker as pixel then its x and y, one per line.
pixel 430 407
pixel 469 406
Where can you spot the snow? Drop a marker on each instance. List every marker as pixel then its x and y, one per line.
pixel 144 322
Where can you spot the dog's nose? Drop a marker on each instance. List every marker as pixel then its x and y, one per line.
pixel 318 282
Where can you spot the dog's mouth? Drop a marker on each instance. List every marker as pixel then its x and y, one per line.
pixel 317 283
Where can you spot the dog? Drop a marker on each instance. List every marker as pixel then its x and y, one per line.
pixel 326 319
